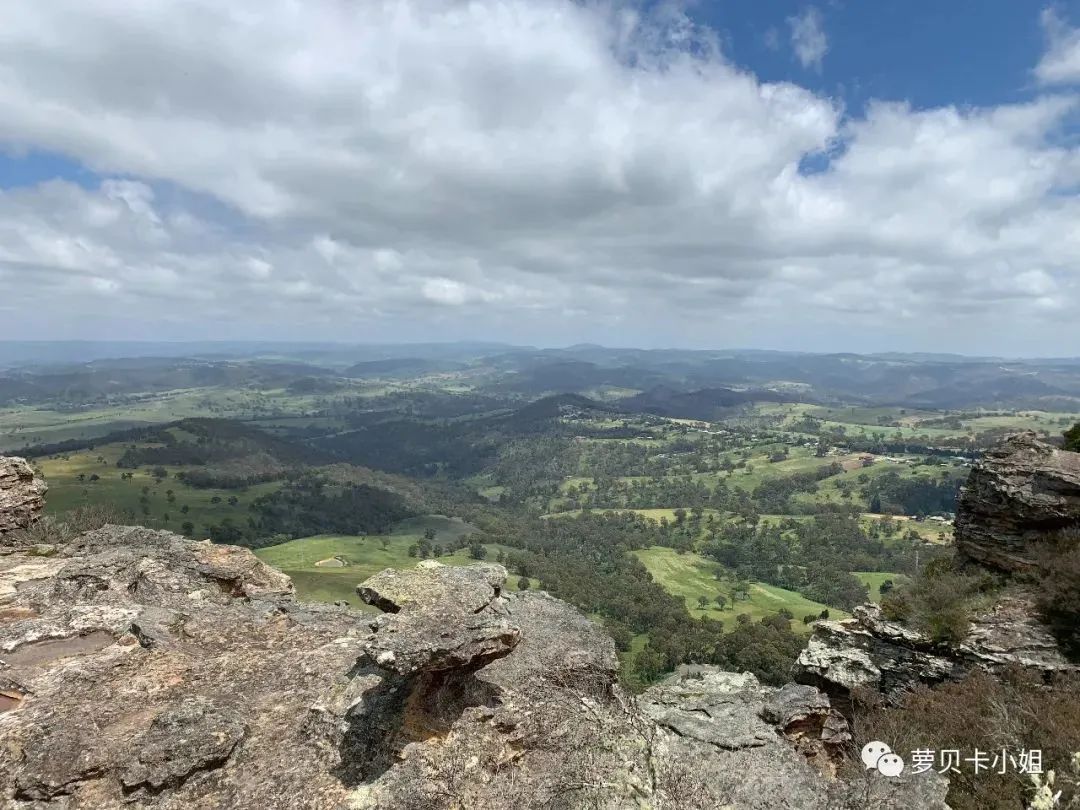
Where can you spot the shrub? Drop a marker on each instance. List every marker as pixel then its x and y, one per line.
pixel 939 603
pixel 1015 711
pixel 1058 595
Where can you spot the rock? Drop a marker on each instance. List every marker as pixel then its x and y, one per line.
pixel 1015 496
pixel 869 651
pixel 195 735
pixel 22 494
pixel 130 691
pixel 442 617
pixel 724 740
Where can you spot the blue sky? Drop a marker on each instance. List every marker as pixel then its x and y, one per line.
pixel 829 175
pixel 963 52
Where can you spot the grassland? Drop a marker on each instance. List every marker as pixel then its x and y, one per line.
pixel 205 506
pixel 691 576
pixel 364 556
pixel 873 579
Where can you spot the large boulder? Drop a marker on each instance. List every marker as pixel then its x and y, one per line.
pixel 22 494
pixel 1016 495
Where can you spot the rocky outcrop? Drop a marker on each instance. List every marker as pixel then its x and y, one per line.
pixel 1014 499
pixel 138 668
pixel 22 495
pixel 870 652
pixel 1017 495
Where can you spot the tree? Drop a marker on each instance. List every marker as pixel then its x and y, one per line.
pixel 824 614
pixel 216 499
pixel 885 587
pixel 702 601
pixel 809 618
pixel 233 500
pixel 524 584
pixel 160 473
pixel 721 600
pixel 414 549
pixel 429 534
pixel 1072 438
pixel 188 528
pixel 185 508
pixel 478 550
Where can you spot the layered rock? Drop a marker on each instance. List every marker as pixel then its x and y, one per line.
pixel 22 494
pixel 867 651
pixel 138 668
pixel 1015 498
pixel 1017 495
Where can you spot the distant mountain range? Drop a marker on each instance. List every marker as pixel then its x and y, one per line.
pixel 663 381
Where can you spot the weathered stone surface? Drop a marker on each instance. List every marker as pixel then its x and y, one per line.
pixel 869 651
pixel 752 746
pixel 1016 495
pixel 441 617
pixel 22 494
pixel 154 671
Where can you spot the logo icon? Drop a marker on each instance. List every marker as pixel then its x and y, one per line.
pixel 877 756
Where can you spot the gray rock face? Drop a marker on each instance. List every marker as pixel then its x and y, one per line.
pixel 441 617
pixel 755 746
pixel 1015 496
pixel 869 651
pixel 143 669
pixel 22 494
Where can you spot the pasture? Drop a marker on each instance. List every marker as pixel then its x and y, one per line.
pixel 692 576
pixel 364 556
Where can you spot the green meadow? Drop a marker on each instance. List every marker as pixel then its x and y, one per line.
pixel 363 557
pixel 691 576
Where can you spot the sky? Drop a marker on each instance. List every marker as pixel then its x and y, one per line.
pixel 830 176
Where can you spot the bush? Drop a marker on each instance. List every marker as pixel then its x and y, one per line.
pixel 1072 438
pixel 939 603
pixel 1015 711
pixel 1058 598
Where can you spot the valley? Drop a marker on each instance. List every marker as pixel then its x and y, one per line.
pixel 683 518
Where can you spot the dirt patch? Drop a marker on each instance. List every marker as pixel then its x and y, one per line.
pixel 42 652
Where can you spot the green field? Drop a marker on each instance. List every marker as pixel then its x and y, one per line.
pixel 691 576
pixel 365 556
pixel 67 491
pixel 873 579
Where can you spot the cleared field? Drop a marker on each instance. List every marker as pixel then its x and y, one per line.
pixel 652 514
pixel 67 491
pixel 364 556
pixel 873 579
pixel 691 576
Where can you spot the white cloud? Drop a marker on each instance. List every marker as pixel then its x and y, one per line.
pixel 1061 62
pixel 521 169
pixel 808 38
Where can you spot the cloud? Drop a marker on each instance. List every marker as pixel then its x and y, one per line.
pixel 1061 62
pixel 808 38
pixel 535 170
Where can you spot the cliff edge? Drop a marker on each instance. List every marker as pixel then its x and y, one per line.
pixel 138 668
